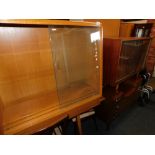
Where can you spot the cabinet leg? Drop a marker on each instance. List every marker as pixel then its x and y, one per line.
pixel 79 127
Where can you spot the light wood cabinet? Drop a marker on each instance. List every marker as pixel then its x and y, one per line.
pixel 48 70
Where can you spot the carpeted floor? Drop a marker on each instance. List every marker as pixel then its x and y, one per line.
pixel 136 121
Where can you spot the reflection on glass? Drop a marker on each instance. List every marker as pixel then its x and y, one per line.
pixel 95 36
pixel 76 57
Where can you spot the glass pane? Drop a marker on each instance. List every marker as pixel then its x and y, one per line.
pixel 76 59
pixel 132 56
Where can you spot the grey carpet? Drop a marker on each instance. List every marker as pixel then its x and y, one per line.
pixel 136 121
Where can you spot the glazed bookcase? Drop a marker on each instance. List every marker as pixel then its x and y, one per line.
pixel 48 70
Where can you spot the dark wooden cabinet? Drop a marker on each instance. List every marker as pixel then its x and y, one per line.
pixel 123 60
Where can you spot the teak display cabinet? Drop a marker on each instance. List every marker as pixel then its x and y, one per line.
pixel 48 70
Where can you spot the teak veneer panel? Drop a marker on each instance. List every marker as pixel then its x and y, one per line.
pixel 26 72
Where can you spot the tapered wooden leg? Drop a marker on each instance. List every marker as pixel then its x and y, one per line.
pixel 79 127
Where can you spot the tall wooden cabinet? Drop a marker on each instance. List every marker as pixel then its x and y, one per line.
pixel 123 59
pixel 48 70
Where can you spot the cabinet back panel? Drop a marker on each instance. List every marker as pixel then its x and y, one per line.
pixel 26 72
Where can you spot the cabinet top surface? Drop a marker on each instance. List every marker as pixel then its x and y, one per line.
pixel 49 22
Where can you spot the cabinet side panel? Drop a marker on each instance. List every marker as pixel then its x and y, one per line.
pixel 111 58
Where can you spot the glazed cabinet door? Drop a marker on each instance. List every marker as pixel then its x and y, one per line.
pixel 76 60
pixel 132 57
